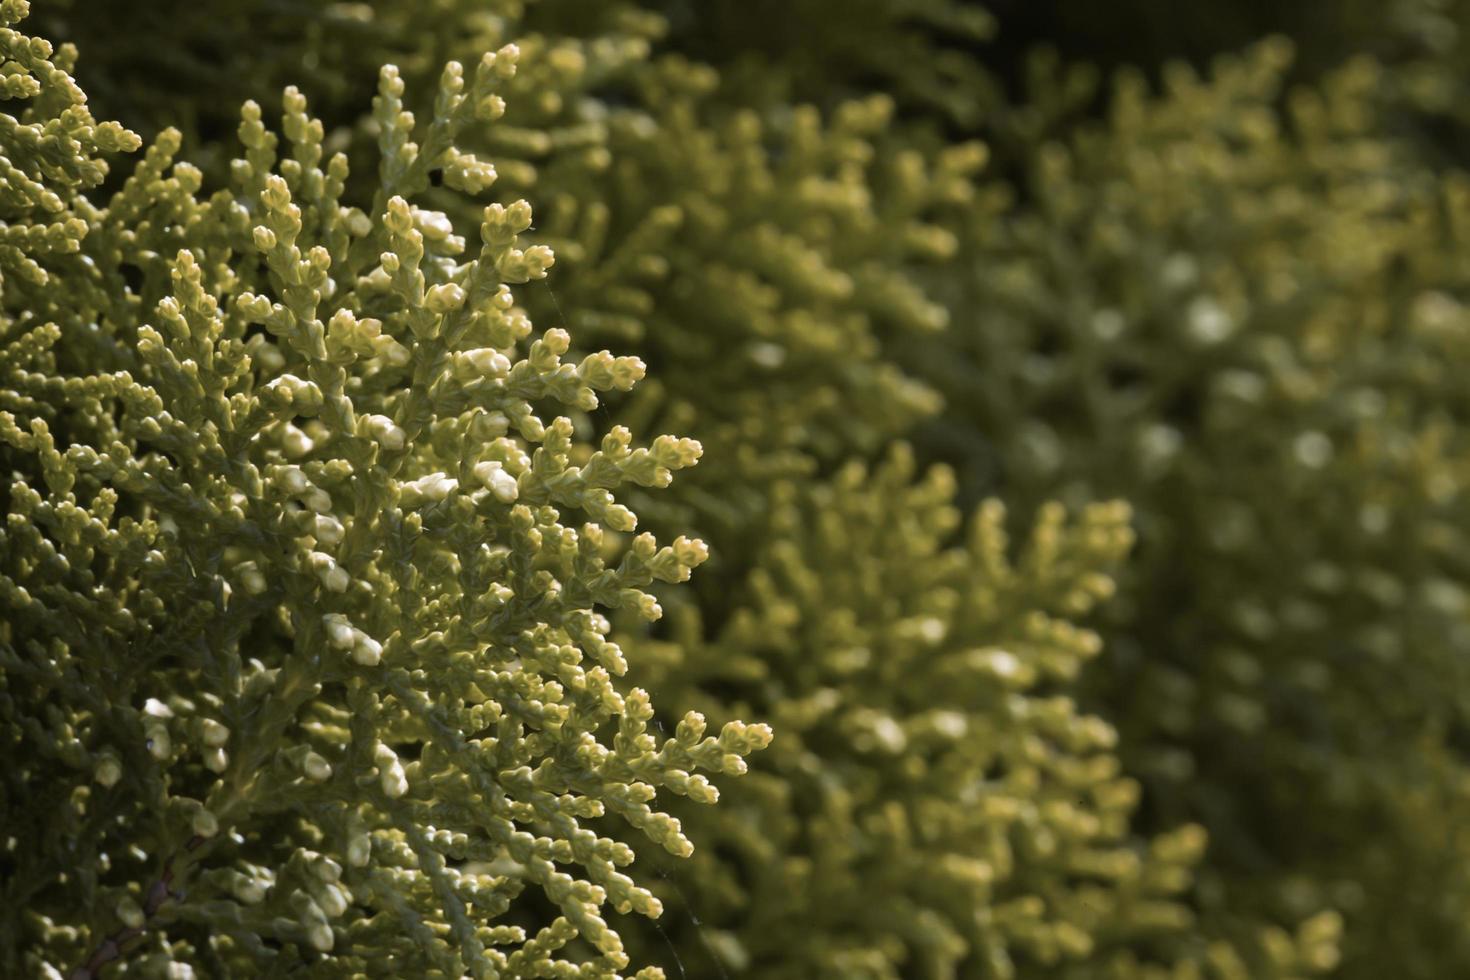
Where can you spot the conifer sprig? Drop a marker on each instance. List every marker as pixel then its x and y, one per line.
pixel 306 576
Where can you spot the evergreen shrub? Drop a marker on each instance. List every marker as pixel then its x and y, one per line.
pixel 337 636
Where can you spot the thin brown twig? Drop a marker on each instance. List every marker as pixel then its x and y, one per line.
pixel 112 947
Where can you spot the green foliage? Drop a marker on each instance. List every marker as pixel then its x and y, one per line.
pixel 180 64
pixel 1239 306
pixel 936 803
pixel 322 608
pixel 1261 353
pixel 761 251
pixel 764 256
pixel 298 657
pixel 922 52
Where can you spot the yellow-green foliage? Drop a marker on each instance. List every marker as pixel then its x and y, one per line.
pixel 175 63
pixel 314 591
pixel 764 256
pixel 761 250
pixel 936 803
pixel 922 52
pixel 298 656
pixel 1247 318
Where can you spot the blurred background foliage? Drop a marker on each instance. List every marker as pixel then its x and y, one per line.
pixel 1209 259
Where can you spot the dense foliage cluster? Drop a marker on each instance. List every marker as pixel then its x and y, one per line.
pixel 292 612
pixel 936 803
pixel 1261 354
pixel 329 641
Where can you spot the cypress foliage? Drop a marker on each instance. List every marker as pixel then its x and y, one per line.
pixel 326 632
pixel 298 655
pixel 1260 354
pixel 1237 304
pixel 936 803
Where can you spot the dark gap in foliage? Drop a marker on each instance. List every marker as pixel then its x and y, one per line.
pixel 132 276
pixel 1121 376
pixel 1184 406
